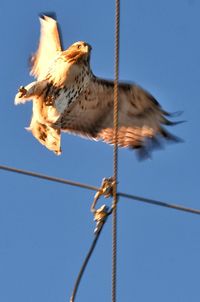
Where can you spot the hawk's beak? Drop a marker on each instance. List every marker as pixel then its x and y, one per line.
pixel 88 47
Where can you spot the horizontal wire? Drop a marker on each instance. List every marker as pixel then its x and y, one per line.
pixel 93 188
pixel 50 178
pixel 160 203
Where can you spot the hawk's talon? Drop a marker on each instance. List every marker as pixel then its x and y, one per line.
pixel 22 91
pixel 49 101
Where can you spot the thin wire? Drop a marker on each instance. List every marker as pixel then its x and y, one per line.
pixel 160 203
pixel 115 113
pixel 93 188
pixel 115 151
pixel 87 258
pixel 50 178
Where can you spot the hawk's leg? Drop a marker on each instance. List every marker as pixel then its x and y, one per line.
pixel 34 89
pixel 43 109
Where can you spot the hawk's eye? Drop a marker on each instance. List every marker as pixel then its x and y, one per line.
pixel 79 46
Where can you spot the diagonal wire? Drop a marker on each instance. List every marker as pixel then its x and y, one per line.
pixel 87 258
pixel 115 151
pixel 93 188
pixel 50 178
pixel 160 203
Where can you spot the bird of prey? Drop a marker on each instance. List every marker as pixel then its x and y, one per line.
pixel 68 97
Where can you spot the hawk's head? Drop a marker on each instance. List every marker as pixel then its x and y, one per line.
pixel 79 51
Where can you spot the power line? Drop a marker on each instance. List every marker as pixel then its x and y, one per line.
pixel 160 203
pixel 49 178
pixel 87 258
pixel 93 188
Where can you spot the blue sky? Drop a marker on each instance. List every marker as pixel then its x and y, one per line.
pixel 46 228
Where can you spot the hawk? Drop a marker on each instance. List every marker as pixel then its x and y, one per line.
pixel 68 97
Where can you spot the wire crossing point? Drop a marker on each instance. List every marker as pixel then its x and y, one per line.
pixel 93 188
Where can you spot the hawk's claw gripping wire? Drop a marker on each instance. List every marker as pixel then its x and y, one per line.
pixel 101 214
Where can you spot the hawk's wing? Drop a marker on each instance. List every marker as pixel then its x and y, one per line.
pixel 141 118
pixel 49 46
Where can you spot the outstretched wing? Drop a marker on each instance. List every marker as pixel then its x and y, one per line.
pixel 141 118
pixel 49 46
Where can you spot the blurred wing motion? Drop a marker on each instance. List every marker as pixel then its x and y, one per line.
pixel 141 118
pixel 49 46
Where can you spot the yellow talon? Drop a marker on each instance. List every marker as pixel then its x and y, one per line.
pixel 22 91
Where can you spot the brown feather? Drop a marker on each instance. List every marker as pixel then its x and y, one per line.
pixel 94 108
pixel 140 115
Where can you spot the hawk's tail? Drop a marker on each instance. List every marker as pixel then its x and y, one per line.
pixel 46 135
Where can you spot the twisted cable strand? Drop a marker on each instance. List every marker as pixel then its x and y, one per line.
pixel 115 151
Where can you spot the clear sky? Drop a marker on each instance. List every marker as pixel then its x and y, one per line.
pixel 46 228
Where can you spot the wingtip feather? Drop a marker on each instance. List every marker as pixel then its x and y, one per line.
pixel 48 15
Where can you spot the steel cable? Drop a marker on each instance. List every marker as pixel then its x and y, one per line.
pixel 93 188
pixel 160 203
pixel 50 178
pixel 115 151
pixel 87 258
